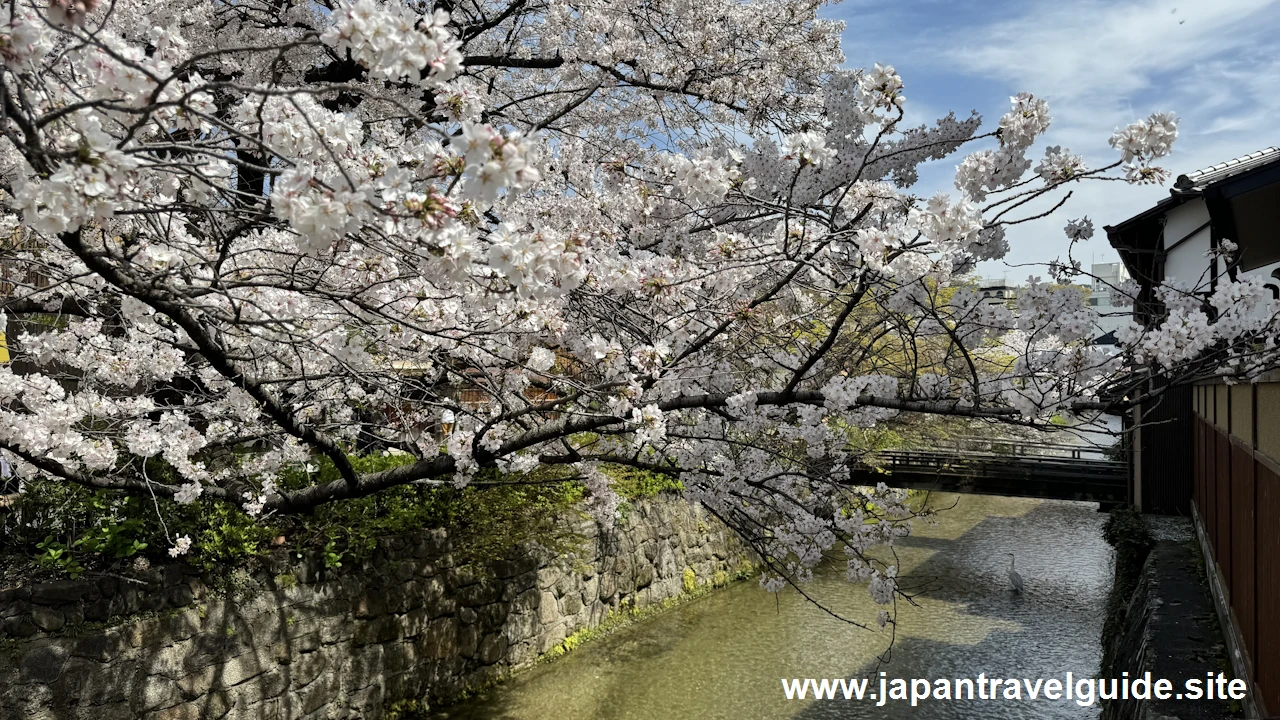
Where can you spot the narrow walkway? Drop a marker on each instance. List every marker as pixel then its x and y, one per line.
pixel 1172 628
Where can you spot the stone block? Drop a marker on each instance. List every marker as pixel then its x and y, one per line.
pixel 74 615
pixel 13 608
pixel 402 597
pixel 522 654
pixel 157 692
pixel 83 679
pixel 481 593
pixel 98 611
pixel 608 587
pixel 548 576
pixel 48 619
pixel 526 601
pixel 376 632
pixel 318 694
pixel 414 622
pixel 152 599
pixel 548 609
pixel 307 642
pixel 308 667
pixel 171 660
pixel 521 627
pixel 492 648
pixel 492 616
pixel 14 595
pixel 551 637
pixel 468 640
pixel 567 583
pixel 441 639
pixel 399 657
pixel 335 630
pixel 19 627
pixel 238 669
pixel 185 711
pixel 196 684
pixel 181 595
pixel 371 605
pixel 60 592
pixel 43 664
pixel 644 575
pixel 270 684
pixel 571 604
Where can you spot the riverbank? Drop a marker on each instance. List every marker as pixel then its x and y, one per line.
pixel 1162 619
pixel 721 657
pixel 303 640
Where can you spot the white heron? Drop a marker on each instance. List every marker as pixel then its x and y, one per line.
pixel 1014 578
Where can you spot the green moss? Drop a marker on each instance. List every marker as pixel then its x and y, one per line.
pixel 690 580
pixel 635 484
pixel 407 710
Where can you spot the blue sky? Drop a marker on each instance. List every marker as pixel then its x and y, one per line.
pixel 1100 65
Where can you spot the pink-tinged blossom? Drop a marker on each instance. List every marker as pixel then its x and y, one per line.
pixel 181 546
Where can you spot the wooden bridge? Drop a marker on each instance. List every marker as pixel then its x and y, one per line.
pixel 998 467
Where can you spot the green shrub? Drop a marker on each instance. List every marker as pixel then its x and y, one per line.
pixel 67 529
pixel 408 710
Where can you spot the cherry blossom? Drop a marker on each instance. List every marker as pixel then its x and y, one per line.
pixel 674 237
pixel 181 546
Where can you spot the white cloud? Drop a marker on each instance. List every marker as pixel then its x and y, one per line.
pixel 1087 50
pixel 1104 64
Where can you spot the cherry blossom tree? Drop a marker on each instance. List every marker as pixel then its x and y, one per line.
pixel 522 234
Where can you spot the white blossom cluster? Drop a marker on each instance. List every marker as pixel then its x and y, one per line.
pixel 1141 142
pixel 564 236
pixel 809 148
pixel 396 44
pixel 986 171
pixel 1059 165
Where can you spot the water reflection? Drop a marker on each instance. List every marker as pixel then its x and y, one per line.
pixel 723 656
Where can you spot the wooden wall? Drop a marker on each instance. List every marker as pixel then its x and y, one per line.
pixel 1237 496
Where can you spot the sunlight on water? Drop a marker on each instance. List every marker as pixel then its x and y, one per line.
pixel 723 656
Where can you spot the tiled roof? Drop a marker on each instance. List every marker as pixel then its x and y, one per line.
pixel 1201 179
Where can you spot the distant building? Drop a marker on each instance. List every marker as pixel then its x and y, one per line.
pixel 1102 299
pixel 997 291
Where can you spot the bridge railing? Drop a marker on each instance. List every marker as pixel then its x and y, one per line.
pixel 1023 448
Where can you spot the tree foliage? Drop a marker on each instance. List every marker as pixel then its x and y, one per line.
pixel 505 234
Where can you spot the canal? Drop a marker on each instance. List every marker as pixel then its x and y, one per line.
pixel 723 656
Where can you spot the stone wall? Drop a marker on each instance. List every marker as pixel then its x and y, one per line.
pixel 302 642
pixel 1169 629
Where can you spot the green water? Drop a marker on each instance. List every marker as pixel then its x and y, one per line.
pixel 723 656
